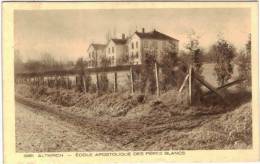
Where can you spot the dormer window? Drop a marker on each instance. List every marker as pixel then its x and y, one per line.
pixel 136 45
pixel 132 45
pixel 112 49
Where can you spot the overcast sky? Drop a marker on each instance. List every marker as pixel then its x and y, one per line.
pixel 66 34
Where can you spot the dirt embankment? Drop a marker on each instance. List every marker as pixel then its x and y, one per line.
pixel 145 123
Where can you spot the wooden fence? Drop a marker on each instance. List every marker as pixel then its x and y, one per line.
pixel 60 78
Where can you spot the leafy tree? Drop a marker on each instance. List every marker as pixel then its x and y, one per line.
pixel 103 79
pixel 168 60
pixel 124 59
pixel 80 64
pixel 104 62
pixel 244 64
pixel 148 83
pixel 224 53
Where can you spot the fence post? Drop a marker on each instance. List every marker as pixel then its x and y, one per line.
pixel 190 84
pixel 115 82
pixel 132 80
pixel 67 82
pixel 84 83
pixel 157 79
pixel 97 83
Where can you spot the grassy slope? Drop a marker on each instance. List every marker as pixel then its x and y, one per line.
pixel 152 124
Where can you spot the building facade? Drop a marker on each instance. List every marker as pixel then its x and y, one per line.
pixel 131 50
pixel 95 53
pixel 116 50
pixel 154 42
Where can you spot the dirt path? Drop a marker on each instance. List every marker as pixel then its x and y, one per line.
pixel 38 131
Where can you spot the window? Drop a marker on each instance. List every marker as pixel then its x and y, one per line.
pixel 145 43
pixel 136 55
pixel 113 61
pixel 132 45
pixel 89 55
pixel 93 55
pixel 136 45
pixel 112 49
pixel 155 44
pixel 108 50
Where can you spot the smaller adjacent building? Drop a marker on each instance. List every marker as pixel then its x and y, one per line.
pixel 116 50
pixel 95 53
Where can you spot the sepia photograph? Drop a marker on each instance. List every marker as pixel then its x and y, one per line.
pixel 133 79
pixel 144 79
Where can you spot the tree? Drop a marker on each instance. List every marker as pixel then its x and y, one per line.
pixel 195 52
pixel 33 65
pixel 18 62
pixel 80 64
pixel 104 62
pixel 224 53
pixel 244 64
pixel 108 36
pixel 148 83
pixel 103 82
pixel 48 60
pixel 168 60
pixel 124 59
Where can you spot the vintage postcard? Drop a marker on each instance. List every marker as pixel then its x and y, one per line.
pixel 104 82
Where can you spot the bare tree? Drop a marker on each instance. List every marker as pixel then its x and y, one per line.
pixel 18 62
pixel 48 60
pixel 195 52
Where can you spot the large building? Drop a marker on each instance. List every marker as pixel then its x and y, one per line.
pixel 142 43
pixel 95 53
pixel 131 50
pixel 116 50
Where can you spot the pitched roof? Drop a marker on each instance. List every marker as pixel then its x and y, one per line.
pixel 119 41
pixel 98 46
pixel 154 35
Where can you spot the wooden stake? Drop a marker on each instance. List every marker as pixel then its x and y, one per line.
pixel 210 87
pixel 115 82
pixel 157 79
pixel 97 83
pixel 225 86
pixel 132 80
pixel 84 83
pixel 190 85
pixel 184 82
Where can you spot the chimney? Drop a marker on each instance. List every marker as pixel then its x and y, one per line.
pixel 123 36
pixel 143 30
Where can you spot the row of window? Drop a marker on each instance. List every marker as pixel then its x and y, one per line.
pixel 136 55
pixel 134 45
pixel 91 54
pixel 91 63
pixel 112 50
